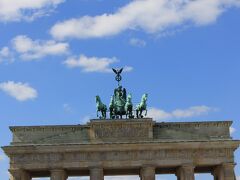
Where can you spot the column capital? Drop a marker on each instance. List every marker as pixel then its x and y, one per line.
pixel 185 167
pixel 224 171
pixel 229 164
pixel 147 172
pixel 19 174
pixel 185 171
pixel 96 173
pixel 95 167
pixel 15 171
pixel 148 166
pixel 57 170
pixel 58 174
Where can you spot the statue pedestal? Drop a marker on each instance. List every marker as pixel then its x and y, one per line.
pixel 121 129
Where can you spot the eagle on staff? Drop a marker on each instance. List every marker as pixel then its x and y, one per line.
pixel 118 74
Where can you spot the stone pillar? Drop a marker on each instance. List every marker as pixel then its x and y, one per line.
pixel 147 173
pixel 185 172
pixel 224 172
pixel 19 174
pixel 58 174
pixel 96 173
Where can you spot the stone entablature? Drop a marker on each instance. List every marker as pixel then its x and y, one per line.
pixel 111 147
pixel 121 130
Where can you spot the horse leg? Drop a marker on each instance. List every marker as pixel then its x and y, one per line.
pixel 105 114
pixel 146 113
pixel 102 114
pixel 130 113
pixel 141 113
pixel 97 113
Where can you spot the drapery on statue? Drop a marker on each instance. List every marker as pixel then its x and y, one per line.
pixel 118 103
pixel 121 103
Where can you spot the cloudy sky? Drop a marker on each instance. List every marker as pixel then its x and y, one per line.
pixel 56 55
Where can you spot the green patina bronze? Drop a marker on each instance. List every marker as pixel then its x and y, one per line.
pixel 142 106
pixel 101 107
pixel 121 103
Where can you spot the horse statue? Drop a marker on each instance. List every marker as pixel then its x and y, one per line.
pixel 111 108
pixel 129 107
pixel 142 106
pixel 101 107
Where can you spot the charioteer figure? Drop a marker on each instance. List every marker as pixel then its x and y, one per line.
pixel 121 103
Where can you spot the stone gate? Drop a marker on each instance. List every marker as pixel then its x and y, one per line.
pixel 123 147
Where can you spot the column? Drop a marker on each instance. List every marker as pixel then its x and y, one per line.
pixel 96 173
pixel 58 174
pixel 19 174
pixel 147 173
pixel 224 172
pixel 185 172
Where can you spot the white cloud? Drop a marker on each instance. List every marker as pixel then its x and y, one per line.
pixel 85 119
pixel 6 55
pixel 19 91
pixel 238 178
pixel 5 52
pixel 127 68
pixel 93 64
pixel 152 16
pixel 159 114
pixel 2 157
pixel 16 10
pixel 29 49
pixel 137 42
pixel 232 130
pixel 67 108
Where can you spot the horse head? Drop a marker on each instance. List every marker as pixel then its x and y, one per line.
pixel 129 98
pixel 98 99
pixel 144 97
pixel 111 102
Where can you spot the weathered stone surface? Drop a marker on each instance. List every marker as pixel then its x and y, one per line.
pixel 96 173
pixel 124 146
pixel 192 130
pixel 50 134
pixel 147 173
pixel 19 174
pixel 185 172
pixel 224 171
pixel 58 174
pixel 122 131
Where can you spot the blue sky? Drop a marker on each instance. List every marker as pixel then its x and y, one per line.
pixel 56 55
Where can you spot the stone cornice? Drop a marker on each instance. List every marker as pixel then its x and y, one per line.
pixel 195 124
pixel 232 144
pixel 46 127
pixel 131 130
